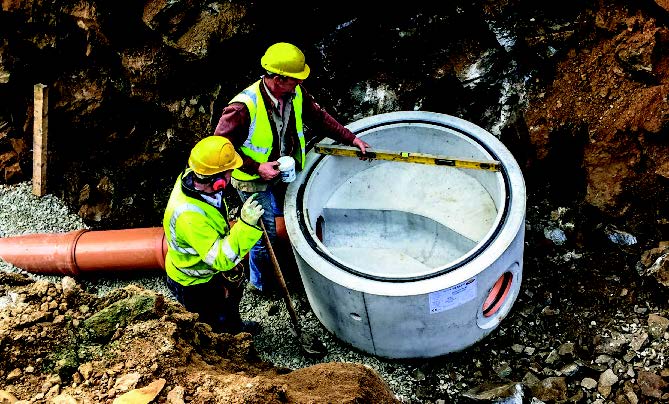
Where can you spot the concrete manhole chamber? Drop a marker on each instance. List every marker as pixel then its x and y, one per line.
pixel 405 260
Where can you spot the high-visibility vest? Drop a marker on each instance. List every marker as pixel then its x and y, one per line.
pixel 258 143
pixel 199 239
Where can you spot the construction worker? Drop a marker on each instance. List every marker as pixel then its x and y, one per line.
pixel 204 255
pixel 265 122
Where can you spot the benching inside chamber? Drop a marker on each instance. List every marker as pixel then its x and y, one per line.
pixel 401 220
pixel 390 242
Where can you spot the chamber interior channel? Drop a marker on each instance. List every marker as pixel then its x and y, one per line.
pixel 403 219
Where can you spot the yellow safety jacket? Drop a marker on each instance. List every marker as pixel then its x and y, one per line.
pixel 258 143
pixel 199 239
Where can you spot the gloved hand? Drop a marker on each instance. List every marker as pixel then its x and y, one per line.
pixel 235 276
pixel 251 211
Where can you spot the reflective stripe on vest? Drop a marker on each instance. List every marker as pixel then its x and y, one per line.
pixel 252 102
pixel 186 207
pixel 212 254
pixel 196 273
pixel 258 143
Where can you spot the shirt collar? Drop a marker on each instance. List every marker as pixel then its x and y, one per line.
pixel 274 100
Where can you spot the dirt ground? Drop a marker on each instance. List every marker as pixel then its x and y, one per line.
pixel 599 128
pixel 61 344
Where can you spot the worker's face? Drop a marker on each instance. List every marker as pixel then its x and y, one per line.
pixel 284 84
pixel 228 176
pixel 215 184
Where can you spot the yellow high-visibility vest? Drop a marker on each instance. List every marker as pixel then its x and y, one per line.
pixel 200 242
pixel 258 143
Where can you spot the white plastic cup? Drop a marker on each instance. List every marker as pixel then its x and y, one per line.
pixel 287 168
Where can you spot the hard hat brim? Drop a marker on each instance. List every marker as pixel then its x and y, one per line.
pixel 299 75
pixel 237 162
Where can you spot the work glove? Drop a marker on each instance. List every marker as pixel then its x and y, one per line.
pixel 234 276
pixel 251 211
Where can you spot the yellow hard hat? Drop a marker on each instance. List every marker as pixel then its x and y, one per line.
pixel 285 59
pixel 212 155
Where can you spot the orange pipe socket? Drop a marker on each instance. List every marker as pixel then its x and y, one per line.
pixel 83 250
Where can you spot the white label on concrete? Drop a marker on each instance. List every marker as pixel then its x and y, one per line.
pixel 452 297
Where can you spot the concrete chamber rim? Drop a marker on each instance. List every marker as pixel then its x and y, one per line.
pixel 302 236
pixel 323 250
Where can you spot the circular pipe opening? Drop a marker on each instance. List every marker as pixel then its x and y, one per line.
pixel 320 222
pixel 498 294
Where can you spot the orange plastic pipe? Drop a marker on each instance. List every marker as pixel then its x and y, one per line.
pixel 281 231
pixel 84 250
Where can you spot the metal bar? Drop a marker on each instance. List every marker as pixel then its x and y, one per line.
pixel 282 283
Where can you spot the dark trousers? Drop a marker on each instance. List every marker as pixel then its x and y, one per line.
pixel 216 301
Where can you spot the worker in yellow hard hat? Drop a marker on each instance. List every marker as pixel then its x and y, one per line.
pixel 265 122
pixel 204 254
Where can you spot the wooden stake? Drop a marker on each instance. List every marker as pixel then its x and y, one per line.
pixel 40 130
